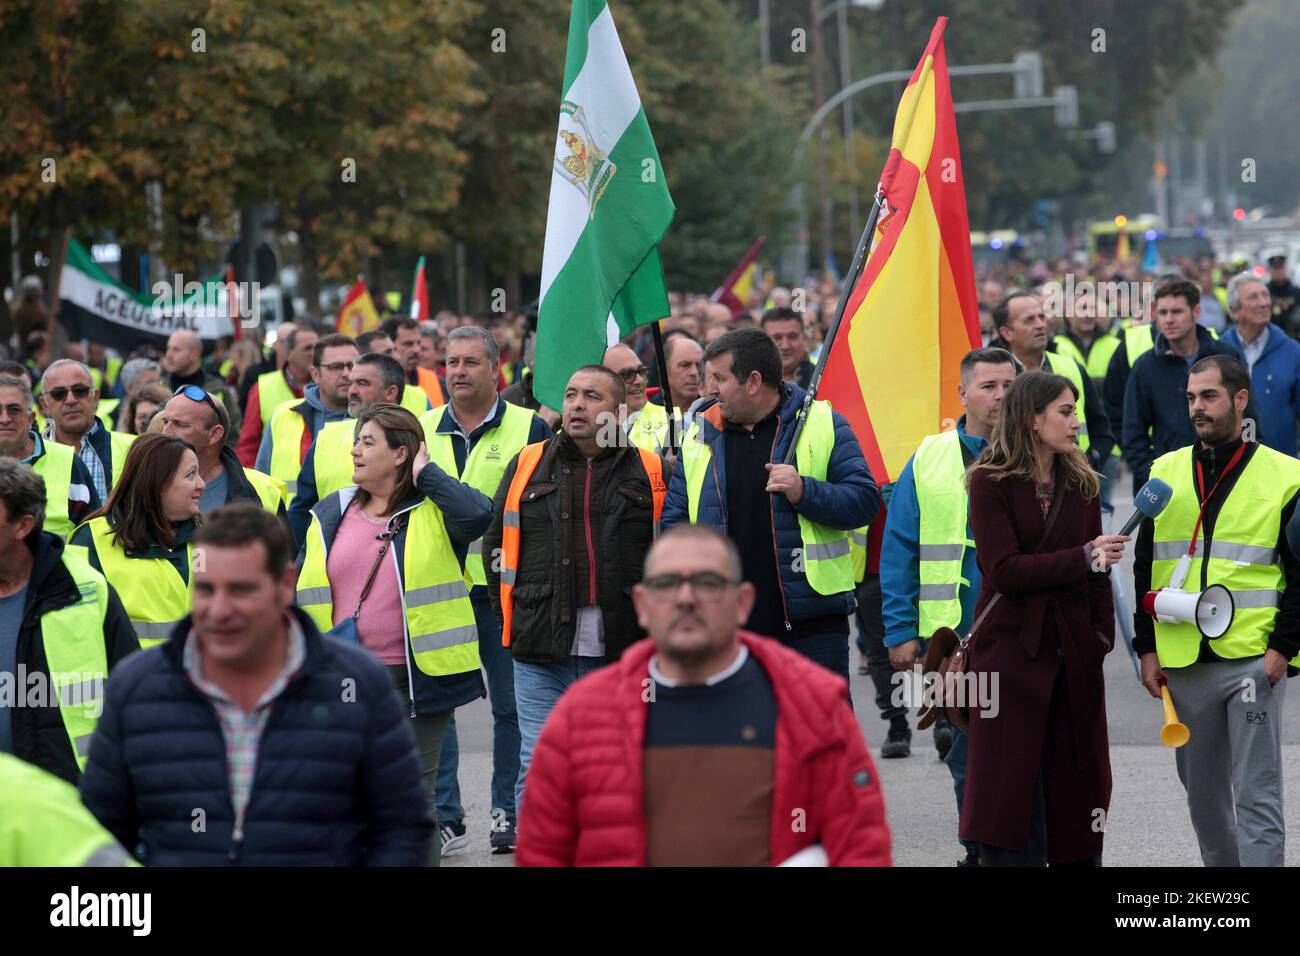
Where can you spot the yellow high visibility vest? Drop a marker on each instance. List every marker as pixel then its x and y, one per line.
pixel 272 390
pixel 55 466
pixel 414 400
pixel 1067 367
pixel 858 551
pixel 44 823
pixel 1138 340
pixel 72 638
pixel 120 442
pixel 484 467
pixel 287 427
pixel 825 553
pixel 333 456
pixel 1242 558
pixel 944 506
pixel 437 614
pixel 271 491
pixel 650 429
pixel 151 589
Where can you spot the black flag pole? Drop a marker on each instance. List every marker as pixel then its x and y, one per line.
pixel 850 280
pixel 663 386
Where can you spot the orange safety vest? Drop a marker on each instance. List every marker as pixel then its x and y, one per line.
pixel 528 459
pixel 428 381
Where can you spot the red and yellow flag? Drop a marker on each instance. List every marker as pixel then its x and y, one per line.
pixel 736 289
pixel 357 314
pixel 892 370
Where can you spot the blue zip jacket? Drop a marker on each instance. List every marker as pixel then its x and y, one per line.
pixel 846 500
pixel 337 780
pixel 467 512
pixel 900 580
pixel 1275 387
pixel 314 414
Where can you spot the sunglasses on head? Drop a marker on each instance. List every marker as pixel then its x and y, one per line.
pixel 196 394
pixel 80 392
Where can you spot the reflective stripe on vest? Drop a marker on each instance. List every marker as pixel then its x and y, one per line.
pixel 510 523
pixel 941 498
pixel 272 492
pixel 55 466
pixel 1242 554
pixel 333 457
pixel 272 391
pixel 437 614
pixel 287 427
pixel 1068 368
pixel 429 384
pixel 119 444
pixel 485 465
pixel 73 640
pixel 150 589
pixel 827 562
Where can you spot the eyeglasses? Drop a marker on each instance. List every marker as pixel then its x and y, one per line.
pixel 630 375
pixel 707 585
pixel 335 367
pixel 196 394
pixel 13 411
pixel 80 392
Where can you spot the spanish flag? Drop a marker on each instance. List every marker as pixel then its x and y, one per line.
pixel 357 314
pixel 736 289
pixel 892 368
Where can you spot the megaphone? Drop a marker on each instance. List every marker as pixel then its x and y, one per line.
pixel 1210 610
pixel 1173 733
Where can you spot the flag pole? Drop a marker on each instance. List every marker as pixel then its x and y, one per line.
pixel 663 385
pixel 850 280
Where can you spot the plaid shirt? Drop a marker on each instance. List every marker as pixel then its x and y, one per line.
pixel 86 452
pixel 243 731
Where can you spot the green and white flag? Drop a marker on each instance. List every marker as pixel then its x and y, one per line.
pixel 610 207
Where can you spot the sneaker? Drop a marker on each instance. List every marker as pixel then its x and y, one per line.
pixel 503 832
pixel 971 860
pixel 453 838
pixel 943 739
pixel 899 741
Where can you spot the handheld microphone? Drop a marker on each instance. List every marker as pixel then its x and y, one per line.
pixel 1149 501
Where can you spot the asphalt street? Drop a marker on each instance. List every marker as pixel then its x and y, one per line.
pixel 1148 823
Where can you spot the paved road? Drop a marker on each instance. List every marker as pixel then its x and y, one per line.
pixel 1148 824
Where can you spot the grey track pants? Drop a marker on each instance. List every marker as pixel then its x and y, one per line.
pixel 1231 767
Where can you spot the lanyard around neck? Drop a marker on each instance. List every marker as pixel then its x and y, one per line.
pixel 1205 499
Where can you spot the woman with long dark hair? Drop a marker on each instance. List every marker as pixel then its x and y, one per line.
pixel 1038 777
pixel 384 565
pixel 140 539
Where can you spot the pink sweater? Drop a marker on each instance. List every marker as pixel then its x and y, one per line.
pixel 351 557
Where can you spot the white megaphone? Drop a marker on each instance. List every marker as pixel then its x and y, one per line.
pixel 1210 610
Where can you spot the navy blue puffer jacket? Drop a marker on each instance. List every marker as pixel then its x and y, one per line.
pixel 847 499
pixel 337 781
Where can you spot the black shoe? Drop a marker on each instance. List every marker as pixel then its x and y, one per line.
pixel 943 739
pixel 899 741
pixel 503 833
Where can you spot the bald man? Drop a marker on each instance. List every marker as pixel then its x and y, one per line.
pixel 183 364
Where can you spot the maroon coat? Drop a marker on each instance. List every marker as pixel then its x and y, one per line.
pixel 1044 643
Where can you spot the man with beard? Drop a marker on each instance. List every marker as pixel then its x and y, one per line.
pixel 1232 501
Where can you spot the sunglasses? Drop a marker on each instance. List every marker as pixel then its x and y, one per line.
pixel 630 375
pixel 79 392
pixel 196 394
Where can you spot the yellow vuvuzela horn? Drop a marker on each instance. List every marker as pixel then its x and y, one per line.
pixel 1173 733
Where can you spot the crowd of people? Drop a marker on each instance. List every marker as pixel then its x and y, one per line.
pixel 259 582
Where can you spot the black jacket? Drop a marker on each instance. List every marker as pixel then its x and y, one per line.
pixel 337 781
pixel 545 603
pixel 39 735
pixel 1286 628
pixel 1155 403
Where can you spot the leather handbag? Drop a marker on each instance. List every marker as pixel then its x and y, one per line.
pixel 947 658
pixel 346 629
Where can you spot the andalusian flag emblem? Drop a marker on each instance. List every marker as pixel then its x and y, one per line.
pixel 610 207
pixel 912 313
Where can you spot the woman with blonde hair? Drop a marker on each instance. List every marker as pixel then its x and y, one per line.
pixel 1038 777
pixel 383 565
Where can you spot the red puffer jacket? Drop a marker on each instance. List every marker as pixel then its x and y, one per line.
pixel 583 805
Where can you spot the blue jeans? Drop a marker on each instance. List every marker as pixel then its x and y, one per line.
pixel 538 688
pixel 505 724
pixel 956 761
